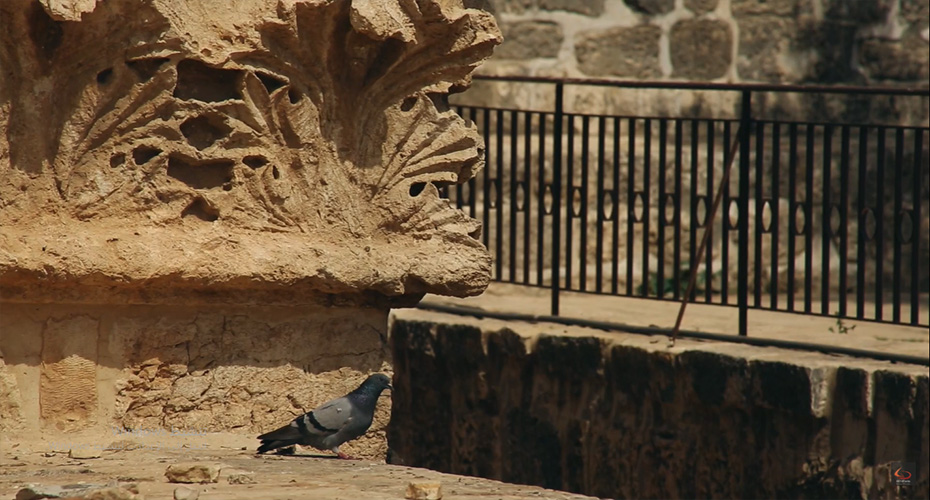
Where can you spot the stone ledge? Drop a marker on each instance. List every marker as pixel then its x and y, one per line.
pixel 596 413
pixel 97 263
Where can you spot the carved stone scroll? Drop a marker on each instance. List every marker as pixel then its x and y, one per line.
pixel 164 145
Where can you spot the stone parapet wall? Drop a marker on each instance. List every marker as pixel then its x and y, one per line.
pixel 622 416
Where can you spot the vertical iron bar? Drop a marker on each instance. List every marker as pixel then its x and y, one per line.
pixel 541 202
pixel 660 204
pixel 569 200
pixel 775 209
pixel 630 188
pixel 527 189
pixel 599 242
pixel 844 218
pixel 880 225
pixel 512 224
pixel 917 181
pixel 725 222
pixel 862 207
pixel 486 185
pixel 743 287
pixel 615 253
pixel 792 209
pixel 497 183
pixel 757 230
pixel 583 274
pixel 647 157
pixel 898 242
pixel 709 222
pixel 676 259
pixel 808 220
pixel 556 195
pixel 692 250
pixel 826 230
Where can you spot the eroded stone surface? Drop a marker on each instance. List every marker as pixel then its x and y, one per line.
pixel 615 415
pixel 530 39
pixel 701 49
pixel 629 52
pixel 202 146
pixel 141 374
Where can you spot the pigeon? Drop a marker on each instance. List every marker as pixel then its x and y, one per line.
pixel 332 423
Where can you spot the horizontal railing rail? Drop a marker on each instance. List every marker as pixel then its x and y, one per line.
pixel 817 217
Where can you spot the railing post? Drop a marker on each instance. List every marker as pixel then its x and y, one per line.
pixel 743 259
pixel 557 196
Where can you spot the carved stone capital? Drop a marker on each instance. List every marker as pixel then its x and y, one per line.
pixel 293 147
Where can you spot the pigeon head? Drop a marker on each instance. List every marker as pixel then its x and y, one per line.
pixel 374 384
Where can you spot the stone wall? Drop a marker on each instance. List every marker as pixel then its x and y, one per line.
pixel 623 416
pixel 869 42
pixel 195 367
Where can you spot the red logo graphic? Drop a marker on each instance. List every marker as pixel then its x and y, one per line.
pixel 902 474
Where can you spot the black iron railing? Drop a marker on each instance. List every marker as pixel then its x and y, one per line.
pixel 822 217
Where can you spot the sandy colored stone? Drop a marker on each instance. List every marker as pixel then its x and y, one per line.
pixel 68 387
pixel 238 476
pixel 904 60
pixel 628 52
pixel 183 493
pixel 592 8
pixel 178 159
pixel 192 473
pixel 530 39
pixel 297 477
pixel 423 491
pixel 701 49
pixel 84 453
pixel 701 6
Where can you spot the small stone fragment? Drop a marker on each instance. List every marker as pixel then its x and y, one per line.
pixel 84 453
pixel 192 473
pixel 236 476
pixel 82 491
pixel 184 493
pixel 112 493
pixel 123 445
pixel 424 491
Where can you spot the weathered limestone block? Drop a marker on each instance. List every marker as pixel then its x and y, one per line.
pixel 701 49
pixel 592 8
pixel 775 7
pixel 161 149
pixel 530 39
pixel 902 60
pixel 628 52
pixel 874 11
pixel 765 45
pixel 701 6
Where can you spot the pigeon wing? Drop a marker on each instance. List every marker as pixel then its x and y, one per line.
pixel 328 418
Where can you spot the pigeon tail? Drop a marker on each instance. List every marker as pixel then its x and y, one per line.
pixel 284 436
pixel 274 445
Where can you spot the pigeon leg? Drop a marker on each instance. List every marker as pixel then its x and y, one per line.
pixel 342 455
